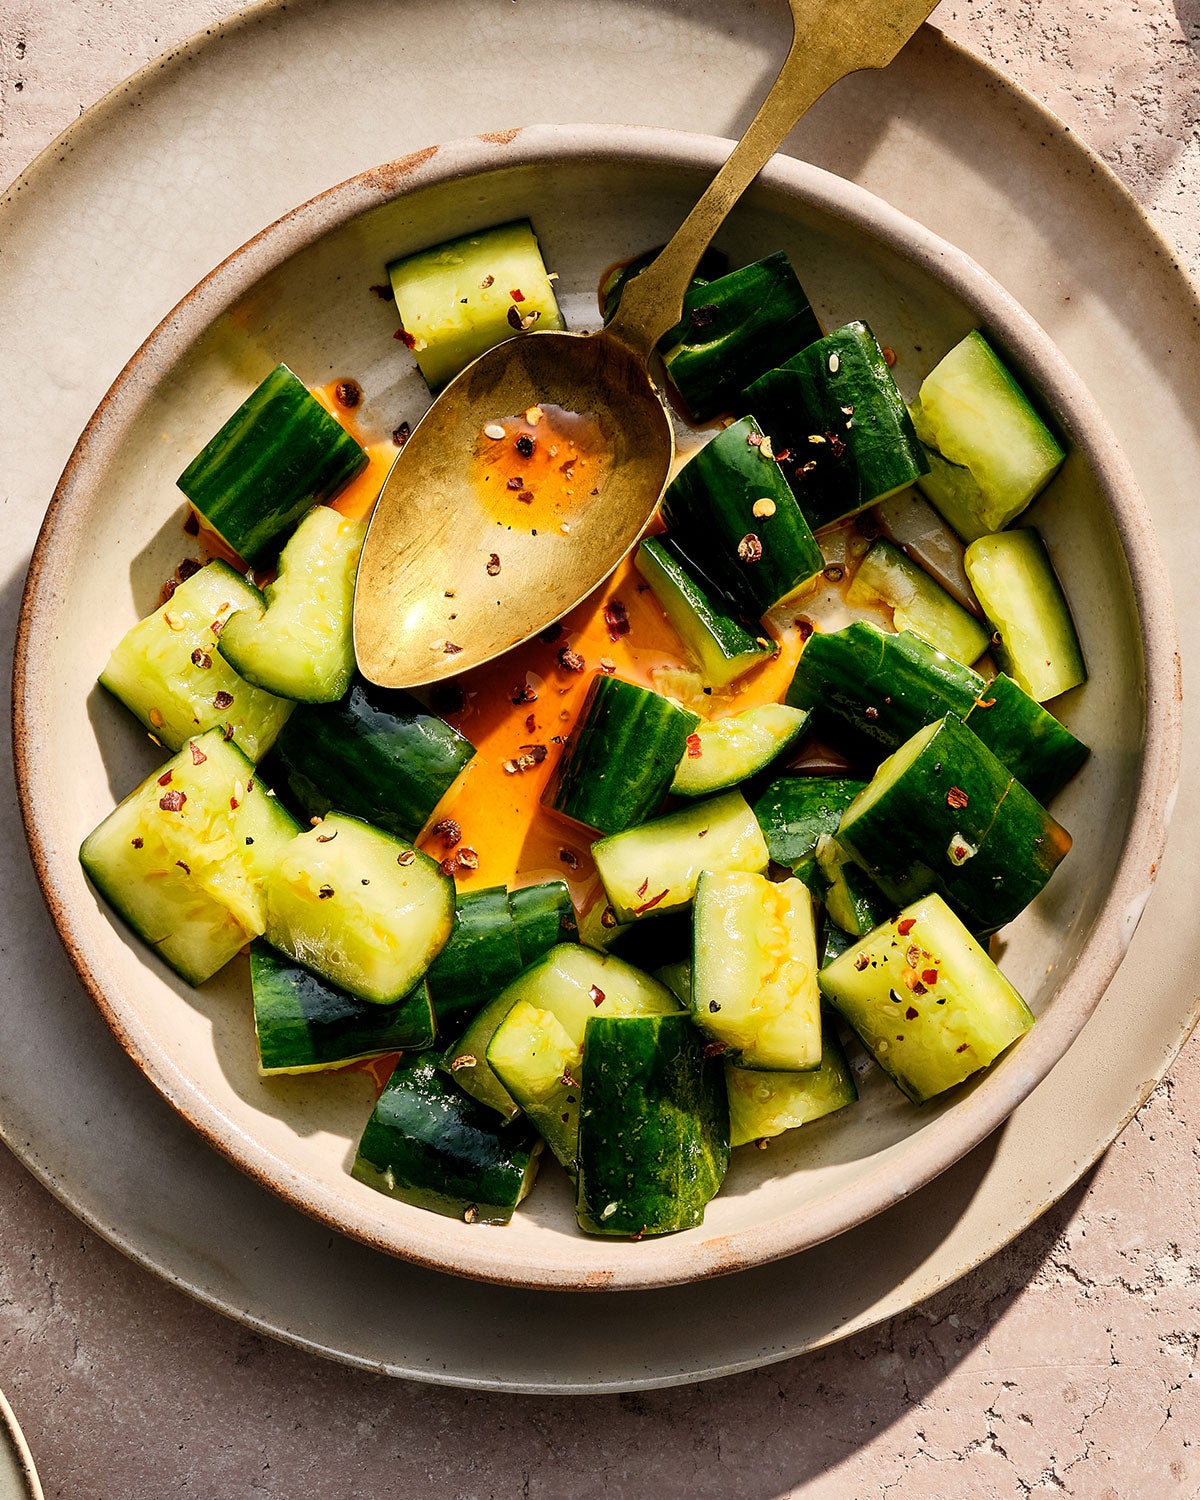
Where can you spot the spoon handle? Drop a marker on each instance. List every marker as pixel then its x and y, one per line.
pixel 829 41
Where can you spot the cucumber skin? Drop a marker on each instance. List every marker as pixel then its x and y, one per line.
pixel 734 329
pixel 543 916
pixel 377 755
pixel 721 645
pixel 713 263
pixel 427 1144
pixel 794 812
pixel 1040 752
pixel 775 728
pixel 622 754
pixel 901 840
pixel 304 1024
pixel 278 455
pixel 868 453
pixel 653 1126
pixel 481 957
pixel 708 508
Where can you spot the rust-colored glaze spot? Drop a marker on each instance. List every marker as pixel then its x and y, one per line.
pixel 388 177
pixel 501 137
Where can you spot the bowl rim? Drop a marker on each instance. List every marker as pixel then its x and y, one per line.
pixel 672 1259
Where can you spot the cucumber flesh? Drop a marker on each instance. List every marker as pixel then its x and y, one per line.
pixel 795 812
pixel 990 453
pixel 540 1064
pixel 168 671
pixel 654 869
pixel 461 298
pixel 723 752
pixel 1020 593
pixel 852 900
pixel 917 603
pixel 362 909
pixel 926 1000
pixel 912 524
pixel 754 970
pixel 298 643
pixel 763 1105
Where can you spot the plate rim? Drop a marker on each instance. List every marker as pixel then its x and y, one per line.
pixel 20 1449
pixel 848 203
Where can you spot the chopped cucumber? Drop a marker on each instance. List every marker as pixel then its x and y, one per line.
pixel 544 916
pixel 481 957
pixel 713 263
pixel 852 900
pixel 1040 752
pixel 278 455
pixel 654 868
pixel 926 1000
pixel 917 603
pixel 168 671
pixel 1022 597
pixel 754 970
pixel 763 1105
pixel 723 752
pixel 989 451
pixel 795 812
pixel 364 910
pixel 459 299
pixel 912 524
pixel 298 642
pixel 538 1061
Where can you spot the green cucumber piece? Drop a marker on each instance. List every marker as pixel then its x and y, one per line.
pixel 538 1061
pixel 912 524
pixel 834 941
pixel 764 1105
pixel 377 755
pixel 836 412
pixel 713 263
pixel 654 868
pixel 852 900
pixel 481 957
pixel 653 1126
pixel 926 1000
pixel 429 1145
pixel 184 859
pixel 573 983
pixel 646 945
pixel 942 814
pixel 735 328
pixel 278 455
pixel 621 756
pixel 724 649
pixel 168 671
pixel 366 911
pixel 1040 752
pixel 543 916
pixel 298 643
pixel 917 603
pixel 989 451
pixel 459 299
pixel 754 970
pixel 304 1025
pixel 793 814
pixel 1020 593
pixel 754 559
pixel 723 752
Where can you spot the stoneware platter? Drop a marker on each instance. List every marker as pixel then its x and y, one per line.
pixel 299 292
pixel 18 1477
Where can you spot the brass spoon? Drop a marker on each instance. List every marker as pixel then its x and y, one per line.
pixel 441 587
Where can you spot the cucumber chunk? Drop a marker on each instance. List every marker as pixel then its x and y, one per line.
pixel 724 649
pixel 654 868
pixel 298 642
pixel 1022 597
pixel 926 1000
pixel 836 412
pixel 989 452
pixel 763 1105
pixel 366 911
pixel 168 672
pixel 853 902
pixel 540 1064
pixel 795 812
pixel 754 970
pixel 912 524
pixel 735 328
pixel 621 756
pixel 544 916
pixel 1040 752
pixel 481 957
pixel 304 1025
pixel 429 1145
pixel 185 857
pixel 278 455
pixel 572 983
pixel 377 755
pixel 713 263
pixel 917 603
pixel 756 558
pixel 653 1126
pixel 942 814
pixel 461 298
pixel 723 752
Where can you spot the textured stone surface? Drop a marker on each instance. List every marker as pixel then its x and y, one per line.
pixel 1064 1366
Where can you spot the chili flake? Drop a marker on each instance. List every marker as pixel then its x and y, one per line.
pixel 608 918
pixel 956 797
pixel 905 925
pixel 929 976
pixel 324 893
pixel 911 1013
pixel 493 564
pixel 570 661
pixel 715 1049
pixel 322 838
pixel 695 748
pixel 861 962
pixel 172 801
pixel 517 294
pixel 198 755
pixel 652 903
pixel 137 843
pixel 596 995
pixel 487 282
pixel 616 618
pixel 187 869
pixel 201 659
pixel 450 648
pixel 405 338
pixel 401 434
pixel 569 858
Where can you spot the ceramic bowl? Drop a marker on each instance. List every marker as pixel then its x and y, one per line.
pixel 299 292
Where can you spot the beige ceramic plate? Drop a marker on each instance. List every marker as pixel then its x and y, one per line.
pixel 299 292
pixel 18 1477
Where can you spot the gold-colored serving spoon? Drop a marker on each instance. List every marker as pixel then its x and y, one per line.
pixel 441 587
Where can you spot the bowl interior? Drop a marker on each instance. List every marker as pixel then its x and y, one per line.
pixel 302 293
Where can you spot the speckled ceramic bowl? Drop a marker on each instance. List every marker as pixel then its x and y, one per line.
pixel 299 292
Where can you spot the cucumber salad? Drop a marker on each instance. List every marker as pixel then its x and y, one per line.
pixel 789 825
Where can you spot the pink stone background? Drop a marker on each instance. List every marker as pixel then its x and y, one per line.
pixel 1063 1366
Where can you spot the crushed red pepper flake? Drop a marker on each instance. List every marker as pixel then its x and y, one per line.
pixel 487 282
pixel 450 648
pixel 695 748
pixel 963 1048
pixel 644 887
pixel 530 723
pixel 911 1013
pixel 201 659
pixel 405 338
pixel 186 868
pixel 905 925
pixel 616 619
pixel 596 995
pixel 568 1083
pixel 526 498
pixel 384 293
pixel 870 713
pixel 165 779
pixel 172 801
pixel 715 1049
pixel 755 439
pixel 652 903
pixel 750 549
pixel 956 798
pixel 804 627
pixel 324 893
pixel 228 732
pixel 517 294
pixel 191 523
pixel 861 962
pixel 929 976
pixel 326 838
pixel 137 842
pixel 517 482
pixel 198 755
